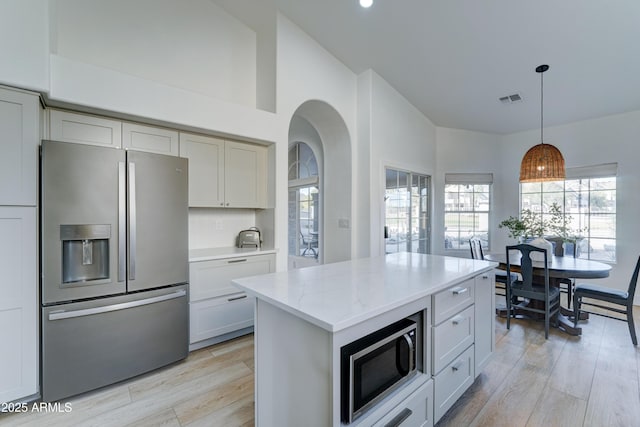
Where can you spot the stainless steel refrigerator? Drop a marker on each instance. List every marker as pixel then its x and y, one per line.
pixel 114 265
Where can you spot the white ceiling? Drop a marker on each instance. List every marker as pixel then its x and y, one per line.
pixel 453 59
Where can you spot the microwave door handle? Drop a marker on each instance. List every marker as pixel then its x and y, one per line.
pixel 132 221
pixel 404 372
pixel 122 221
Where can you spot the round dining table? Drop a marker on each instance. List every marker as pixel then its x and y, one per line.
pixel 561 267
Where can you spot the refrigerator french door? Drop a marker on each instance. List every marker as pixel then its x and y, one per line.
pixel 114 244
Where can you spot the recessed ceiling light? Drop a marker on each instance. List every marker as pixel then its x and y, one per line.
pixel 366 3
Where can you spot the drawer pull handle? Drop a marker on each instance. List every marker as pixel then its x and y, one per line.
pixel 457 320
pixel 399 419
pixel 236 298
pixel 456 366
pixel 233 261
pixel 485 276
pixel 459 291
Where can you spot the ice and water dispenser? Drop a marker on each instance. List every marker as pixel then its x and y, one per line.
pixel 85 253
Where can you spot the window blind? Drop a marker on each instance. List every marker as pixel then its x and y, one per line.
pixel 468 178
pixel 594 171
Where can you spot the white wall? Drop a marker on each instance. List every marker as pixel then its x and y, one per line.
pixel 24 44
pixel 193 45
pixel 400 137
pixel 211 228
pixel 187 64
pixel 462 151
pixel 307 74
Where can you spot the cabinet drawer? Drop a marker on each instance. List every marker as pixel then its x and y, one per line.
pixel 415 410
pixel 452 382
pixel 451 337
pixel 217 316
pixel 84 129
pixel 452 300
pixel 213 278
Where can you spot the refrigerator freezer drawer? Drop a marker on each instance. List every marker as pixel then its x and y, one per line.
pixel 92 344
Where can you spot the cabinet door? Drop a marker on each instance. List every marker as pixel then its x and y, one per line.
pixel 19 139
pixel 18 304
pixel 85 129
pixel 245 182
pixel 485 311
pixel 206 169
pixel 150 139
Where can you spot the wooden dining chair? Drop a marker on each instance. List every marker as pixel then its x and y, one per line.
pixel 615 297
pixel 531 290
pixel 475 245
pixel 566 285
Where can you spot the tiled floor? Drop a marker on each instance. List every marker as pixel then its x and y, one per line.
pixel 591 380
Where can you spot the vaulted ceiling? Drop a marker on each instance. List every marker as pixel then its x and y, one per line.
pixel 454 59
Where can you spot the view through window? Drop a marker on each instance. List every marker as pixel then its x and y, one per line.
pixel 588 203
pixel 406 212
pixel 467 208
pixel 304 202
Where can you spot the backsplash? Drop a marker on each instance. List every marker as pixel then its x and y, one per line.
pixel 214 227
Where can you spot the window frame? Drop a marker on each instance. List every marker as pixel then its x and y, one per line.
pixel 585 180
pixel 472 180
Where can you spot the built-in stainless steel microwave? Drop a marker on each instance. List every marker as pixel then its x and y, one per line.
pixel 376 365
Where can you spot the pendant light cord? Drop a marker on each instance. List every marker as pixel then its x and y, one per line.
pixel 541 107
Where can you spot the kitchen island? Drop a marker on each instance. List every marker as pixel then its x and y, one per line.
pixel 304 317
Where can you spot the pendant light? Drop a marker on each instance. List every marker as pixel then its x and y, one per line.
pixel 543 162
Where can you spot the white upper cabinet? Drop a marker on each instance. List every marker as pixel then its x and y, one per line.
pixel 84 129
pixel 206 169
pixel 19 140
pixel 87 129
pixel 245 176
pixel 150 139
pixel 225 173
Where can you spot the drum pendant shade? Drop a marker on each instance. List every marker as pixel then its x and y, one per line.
pixel 543 162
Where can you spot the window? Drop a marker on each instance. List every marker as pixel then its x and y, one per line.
pixel 588 198
pixel 304 202
pixel 467 205
pixel 406 212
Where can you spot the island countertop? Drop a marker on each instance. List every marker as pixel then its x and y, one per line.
pixel 339 295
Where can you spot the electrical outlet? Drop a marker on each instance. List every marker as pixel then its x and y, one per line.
pixel 219 225
pixel 343 223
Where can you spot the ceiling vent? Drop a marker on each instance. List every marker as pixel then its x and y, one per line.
pixel 510 99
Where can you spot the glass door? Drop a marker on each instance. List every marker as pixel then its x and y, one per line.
pixel 406 222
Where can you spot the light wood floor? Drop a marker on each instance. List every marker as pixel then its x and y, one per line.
pixel 564 381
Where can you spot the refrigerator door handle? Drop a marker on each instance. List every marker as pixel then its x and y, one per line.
pixel 132 221
pixel 122 222
pixel 60 315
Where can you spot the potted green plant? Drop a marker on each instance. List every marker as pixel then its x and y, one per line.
pixel 530 224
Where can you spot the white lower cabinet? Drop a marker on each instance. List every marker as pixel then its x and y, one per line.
pixel 453 336
pixel 452 382
pixel 463 338
pixel 217 309
pixel 485 312
pixel 218 316
pixel 19 367
pixel 415 411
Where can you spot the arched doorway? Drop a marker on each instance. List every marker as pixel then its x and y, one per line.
pixel 319 186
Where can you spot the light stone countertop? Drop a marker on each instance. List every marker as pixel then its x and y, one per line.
pixel 209 254
pixel 339 295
